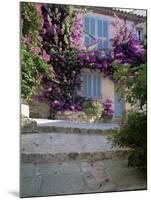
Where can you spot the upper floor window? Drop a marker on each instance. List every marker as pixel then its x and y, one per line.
pixel 96 28
pixel 139 33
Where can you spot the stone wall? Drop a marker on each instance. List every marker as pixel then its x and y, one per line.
pixel 38 110
pixel 75 116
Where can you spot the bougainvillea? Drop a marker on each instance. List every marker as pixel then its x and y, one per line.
pixel 107 111
pixel 77 29
pixel 62 34
pixel 126 48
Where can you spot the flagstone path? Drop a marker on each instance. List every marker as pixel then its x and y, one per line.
pixel 74 177
pixel 62 157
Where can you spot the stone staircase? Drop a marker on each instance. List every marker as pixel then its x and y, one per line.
pixel 59 141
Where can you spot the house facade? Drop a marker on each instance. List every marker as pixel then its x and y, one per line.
pixel 98 23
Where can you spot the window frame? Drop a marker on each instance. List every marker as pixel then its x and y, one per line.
pixel 141 36
pixel 97 18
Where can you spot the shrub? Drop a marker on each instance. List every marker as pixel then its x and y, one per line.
pixel 134 135
pixel 92 108
pixel 32 65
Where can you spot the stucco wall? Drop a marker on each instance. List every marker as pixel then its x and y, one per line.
pixel 108 90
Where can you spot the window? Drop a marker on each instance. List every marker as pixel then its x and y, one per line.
pixel 139 33
pixel 91 85
pixel 96 28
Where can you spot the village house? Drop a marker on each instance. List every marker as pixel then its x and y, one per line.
pixel 97 23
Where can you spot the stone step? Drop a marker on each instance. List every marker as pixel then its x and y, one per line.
pixel 56 147
pixel 73 156
pixel 59 126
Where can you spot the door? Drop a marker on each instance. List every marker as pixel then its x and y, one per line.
pixel 118 106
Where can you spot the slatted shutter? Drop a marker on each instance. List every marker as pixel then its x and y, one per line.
pixel 91 85
pixel 105 34
pixel 97 28
pixel 87 40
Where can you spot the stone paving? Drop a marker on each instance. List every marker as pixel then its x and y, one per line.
pixel 42 179
pixel 63 146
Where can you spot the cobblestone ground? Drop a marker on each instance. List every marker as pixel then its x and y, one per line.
pixel 42 179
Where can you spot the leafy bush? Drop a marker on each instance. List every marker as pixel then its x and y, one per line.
pixel 30 21
pixel 133 134
pixel 32 65
pixel 92 108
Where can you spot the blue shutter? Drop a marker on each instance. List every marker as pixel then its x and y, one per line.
pixel 118 106
pixel 85 85
pixel 99 32
pixel 105 34
pixel 92 28
pixel 94 86
pixel 99 27
pixel 86 24
pixel 86 41
pixel 98 86
pixel 87 29
pixel 89 86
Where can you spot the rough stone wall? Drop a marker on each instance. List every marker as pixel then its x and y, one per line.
pixel 38 110
pixel 75 116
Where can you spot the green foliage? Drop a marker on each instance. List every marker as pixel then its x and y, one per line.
pixel 30 21
pixel 131 83
pixel 32 61
pixel 133 135
pixel 92 108
pixel 31 67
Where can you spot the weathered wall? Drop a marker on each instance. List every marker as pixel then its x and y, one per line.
pixel 38 110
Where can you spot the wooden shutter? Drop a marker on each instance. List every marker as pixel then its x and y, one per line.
pixel 94 85
pixel 89 86
pixel 99 33
pixel 98 89
pixel 105 34
pixel 87 29
pixel 84 85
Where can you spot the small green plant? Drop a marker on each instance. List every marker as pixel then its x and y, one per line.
pixel 92 108
pixel 133 134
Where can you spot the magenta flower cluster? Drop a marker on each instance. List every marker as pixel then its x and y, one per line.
pixel 107 112
pixel 127 48
pixel 77 30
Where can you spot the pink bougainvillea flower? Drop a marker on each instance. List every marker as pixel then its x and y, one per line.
pixel 56 102
pixel 46 57
pixel 41 77
pixel 38 7
pixel 50 89
pixel 35 50
pixel 27 39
